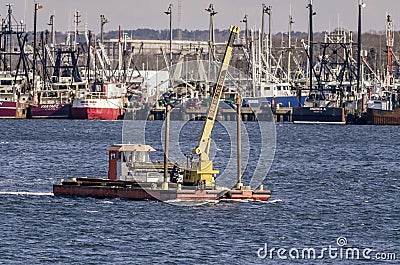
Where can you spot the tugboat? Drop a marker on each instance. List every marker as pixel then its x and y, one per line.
pixel 132 175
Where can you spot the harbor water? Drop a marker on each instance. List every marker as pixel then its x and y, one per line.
pixel 333 187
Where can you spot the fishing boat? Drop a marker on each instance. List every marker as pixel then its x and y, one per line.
pixel 319 109
pixel 104 101
pixel 14 75
pixel 14 97
pixel 56 102
pixel 384 106
pixel 53 98
pixel 384 110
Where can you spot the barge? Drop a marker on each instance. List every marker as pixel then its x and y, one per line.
pixel 132 175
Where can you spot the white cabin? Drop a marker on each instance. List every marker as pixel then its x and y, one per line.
pixel 132 162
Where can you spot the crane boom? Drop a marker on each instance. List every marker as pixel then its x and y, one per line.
pixel 202 171
pixel 203 147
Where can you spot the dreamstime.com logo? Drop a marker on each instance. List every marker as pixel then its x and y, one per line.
pixel 340 251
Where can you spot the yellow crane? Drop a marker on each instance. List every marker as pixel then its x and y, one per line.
pixel 202 171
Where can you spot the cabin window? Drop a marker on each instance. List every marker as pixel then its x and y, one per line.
pixel 6 82
pixel 112 156
pixel 137 156
pixel 129 156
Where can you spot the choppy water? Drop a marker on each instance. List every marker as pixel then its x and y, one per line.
pixel 327 182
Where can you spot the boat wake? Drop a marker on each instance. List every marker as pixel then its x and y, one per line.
pixel 191 203
pixel 274 201
pixel 26 193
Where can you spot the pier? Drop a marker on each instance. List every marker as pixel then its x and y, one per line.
pixel 282 114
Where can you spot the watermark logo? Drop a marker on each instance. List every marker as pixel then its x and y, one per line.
pixel 339 251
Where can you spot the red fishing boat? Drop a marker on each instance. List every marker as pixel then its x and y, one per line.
pixel 104 101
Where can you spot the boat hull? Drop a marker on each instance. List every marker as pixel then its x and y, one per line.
pixel 98 109
pixel 12 110
pixel 96 113
pixel 383 117
pixel 105 188
pixel 50 111
pixel 330 115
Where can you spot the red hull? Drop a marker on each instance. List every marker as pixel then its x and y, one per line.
pixel 383 117
pixel 12 110
pixel 120 189
pixel 97 113
pixel 53 111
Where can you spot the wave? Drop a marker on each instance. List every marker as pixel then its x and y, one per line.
pixel 191 202
pixel 26 193
pixel 274 201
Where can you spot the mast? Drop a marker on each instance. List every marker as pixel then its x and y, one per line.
pixel 246 35
pixel 37 7
pixel 211 42
pixel 310 44
pixel 169 12
pixel 264 11
pixel 289 44
pixel 360 6
pixel 389 44
pixel 53 35
pixel 103 21
pixel 77 21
